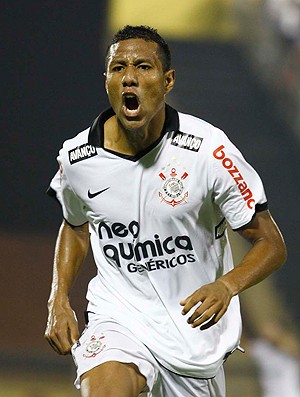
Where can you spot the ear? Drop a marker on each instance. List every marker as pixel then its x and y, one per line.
pixel 169 80
pixel 105 77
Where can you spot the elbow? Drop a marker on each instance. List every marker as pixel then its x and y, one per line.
pixel 284 253
pixel 281 253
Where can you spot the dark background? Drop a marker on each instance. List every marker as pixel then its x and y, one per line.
pixel 52 87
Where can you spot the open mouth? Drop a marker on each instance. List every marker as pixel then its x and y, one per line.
pixel 131 104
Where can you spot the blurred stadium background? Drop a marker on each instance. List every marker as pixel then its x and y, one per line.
pixel 237 65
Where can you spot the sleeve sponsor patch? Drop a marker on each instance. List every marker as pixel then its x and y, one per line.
pixel 186 141
pixel 82 152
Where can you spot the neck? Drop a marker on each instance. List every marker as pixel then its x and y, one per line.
pixel 131 142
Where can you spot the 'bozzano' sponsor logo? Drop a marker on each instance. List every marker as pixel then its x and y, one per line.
pixel 227 163
pixel 148 255
pixel 81 153
pixel 186 141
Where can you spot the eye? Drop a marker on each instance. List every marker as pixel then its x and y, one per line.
pixel 144 67
pixel 117 68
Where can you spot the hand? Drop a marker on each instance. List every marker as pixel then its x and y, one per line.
pixel 212 300
pixel 62 327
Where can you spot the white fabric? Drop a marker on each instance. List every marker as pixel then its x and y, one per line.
pixel 157 235
pixel 180 386
pixel 106 341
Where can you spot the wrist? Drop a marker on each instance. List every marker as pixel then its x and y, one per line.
pixel 59 297
pixel 229 287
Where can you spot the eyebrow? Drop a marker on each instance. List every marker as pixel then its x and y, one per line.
pixel 135 62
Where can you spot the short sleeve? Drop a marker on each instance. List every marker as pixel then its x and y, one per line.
pixel 237 188
pixel 72 207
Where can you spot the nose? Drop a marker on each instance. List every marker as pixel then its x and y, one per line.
pixel 129 78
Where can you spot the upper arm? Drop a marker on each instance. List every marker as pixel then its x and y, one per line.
pixel 267 254
pixel 74 239
pixel 263 228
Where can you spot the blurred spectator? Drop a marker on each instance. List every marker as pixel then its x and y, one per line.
pixel 285 15
pixel 271 29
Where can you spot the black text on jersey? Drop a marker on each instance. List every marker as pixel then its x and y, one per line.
pixel 186 141
pixel 82 152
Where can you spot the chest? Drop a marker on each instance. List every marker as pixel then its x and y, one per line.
pixel 167 183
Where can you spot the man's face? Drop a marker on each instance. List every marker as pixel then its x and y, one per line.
pixel 136 83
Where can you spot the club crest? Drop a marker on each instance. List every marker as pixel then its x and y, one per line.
pixel 94 346
pixel 173 191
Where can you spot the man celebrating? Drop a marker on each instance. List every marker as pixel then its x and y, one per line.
pixel 152 190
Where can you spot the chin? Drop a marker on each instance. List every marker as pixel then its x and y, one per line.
pixel 132 125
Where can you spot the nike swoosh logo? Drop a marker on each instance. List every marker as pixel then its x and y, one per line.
pixel 92 195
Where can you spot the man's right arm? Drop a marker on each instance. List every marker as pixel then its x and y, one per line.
pixel 70 251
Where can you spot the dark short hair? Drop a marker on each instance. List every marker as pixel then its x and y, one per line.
pixel 146 33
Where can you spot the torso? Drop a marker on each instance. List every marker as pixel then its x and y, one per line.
pixel 158 235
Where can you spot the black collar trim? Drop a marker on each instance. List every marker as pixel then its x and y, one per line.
pixel 96 132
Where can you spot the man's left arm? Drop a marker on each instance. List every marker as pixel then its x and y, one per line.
pixel 267 254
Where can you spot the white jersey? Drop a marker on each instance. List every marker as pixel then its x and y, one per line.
pixel 158 232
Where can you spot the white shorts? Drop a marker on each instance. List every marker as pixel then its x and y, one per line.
pixel 109 341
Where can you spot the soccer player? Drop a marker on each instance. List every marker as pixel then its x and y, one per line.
pixel 152 190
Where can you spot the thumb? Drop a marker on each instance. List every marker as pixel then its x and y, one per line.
pixel 74 330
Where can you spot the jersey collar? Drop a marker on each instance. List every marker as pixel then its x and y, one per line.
pixel 96 132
